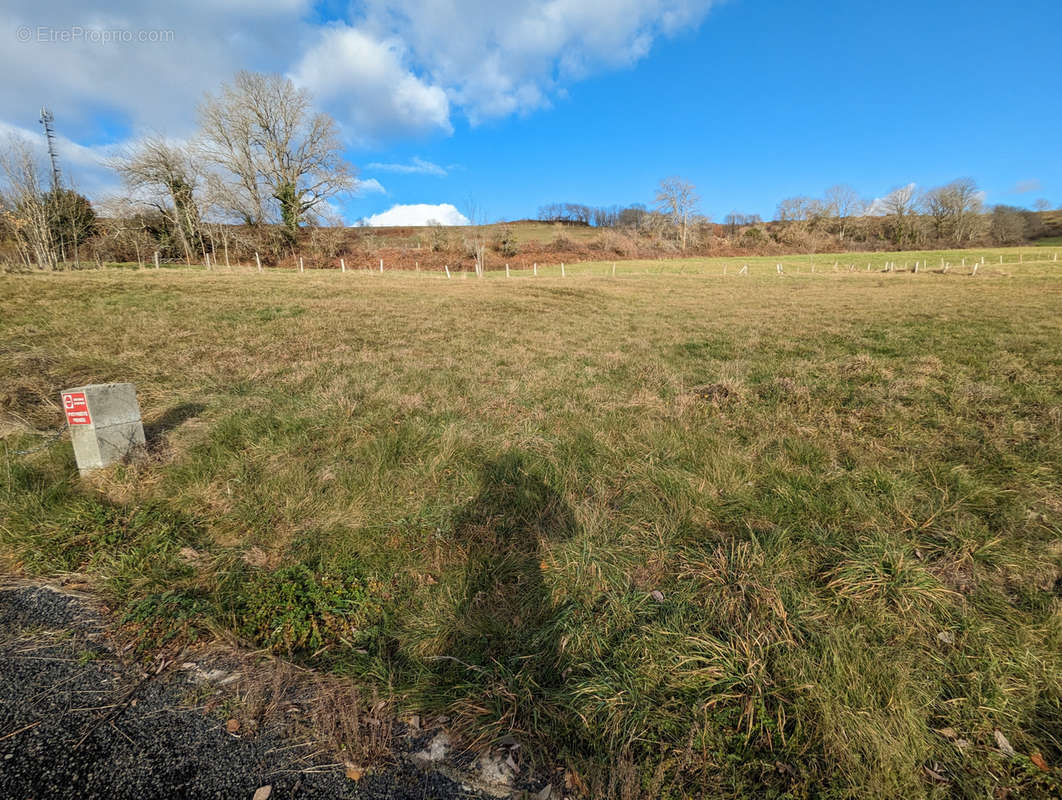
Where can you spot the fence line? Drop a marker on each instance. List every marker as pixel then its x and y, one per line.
pixel 790 267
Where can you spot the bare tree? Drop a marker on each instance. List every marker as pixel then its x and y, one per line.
pixel 124 229
pixel 842 202
pixel 899 205
pixel 1008 224
pixel 282 159
pixel 955 209
pixel 166 176
pixel 678 200
pixel 27 211
pixel 476 238
pixel 1042 204
pixel 808 210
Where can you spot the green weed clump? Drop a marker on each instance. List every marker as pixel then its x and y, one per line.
pixel 302 609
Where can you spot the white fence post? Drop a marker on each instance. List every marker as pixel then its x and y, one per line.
pixel 562 269
pixel 301 267
pixel 447 268
pixel 506 270
pixel 381 265
pixel 342 265
pixel 258 261
pixel 156 259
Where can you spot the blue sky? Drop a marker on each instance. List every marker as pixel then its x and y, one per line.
pixel 595 102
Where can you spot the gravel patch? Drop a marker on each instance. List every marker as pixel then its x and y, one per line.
pixel 77 722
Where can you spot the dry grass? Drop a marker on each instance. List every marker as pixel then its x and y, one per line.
pixel 688 535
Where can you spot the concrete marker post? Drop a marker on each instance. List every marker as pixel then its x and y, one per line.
pixel 342 265
pixel 301 268
pixel 534 269
pixel 447 268
pixel 506 270
pixel 156 259
pixel 104 423
pixel 258 261
pixel 381 265
pixel 562 270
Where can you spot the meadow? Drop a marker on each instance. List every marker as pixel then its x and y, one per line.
pixel 687 533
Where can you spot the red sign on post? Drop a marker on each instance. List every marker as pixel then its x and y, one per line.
pixel 76 407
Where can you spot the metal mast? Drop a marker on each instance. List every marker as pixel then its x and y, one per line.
pixel 49 133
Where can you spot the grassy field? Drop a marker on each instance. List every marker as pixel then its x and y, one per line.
pixel 688 535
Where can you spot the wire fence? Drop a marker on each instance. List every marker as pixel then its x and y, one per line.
pixel 938 262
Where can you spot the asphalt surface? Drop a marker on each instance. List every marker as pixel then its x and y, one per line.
pixel 77 722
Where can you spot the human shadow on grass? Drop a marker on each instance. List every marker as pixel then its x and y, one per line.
pixel 503 653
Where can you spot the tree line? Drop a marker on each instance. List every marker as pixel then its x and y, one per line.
pixel 953 214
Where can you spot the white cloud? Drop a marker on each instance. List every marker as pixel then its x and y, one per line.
pixel 417 214
pixel 1024 187
pixel 369 186
pixel 499 58
pixel 368 83
pixel 418 166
